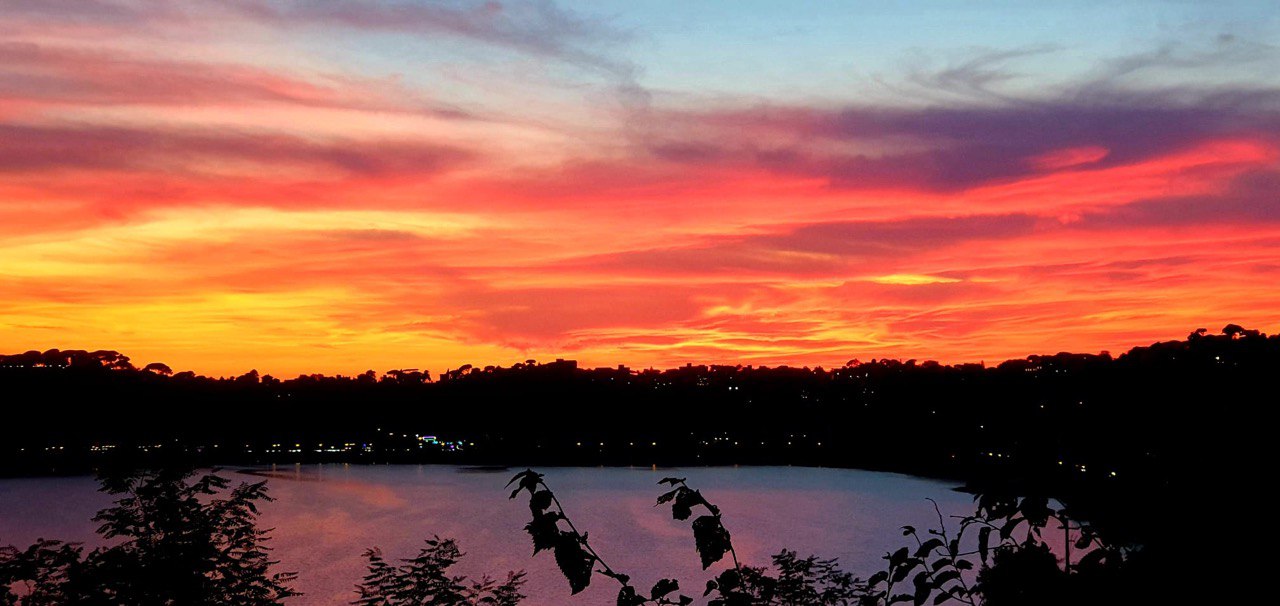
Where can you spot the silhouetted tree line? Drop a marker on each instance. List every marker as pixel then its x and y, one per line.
pixel 1080 416
pixel 1180 420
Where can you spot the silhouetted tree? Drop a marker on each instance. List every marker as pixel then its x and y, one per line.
pixel 248 378
pixel 179 540
pixel 159 368
pixel 425 580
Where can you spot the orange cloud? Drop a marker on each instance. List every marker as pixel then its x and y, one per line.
pixel 171 197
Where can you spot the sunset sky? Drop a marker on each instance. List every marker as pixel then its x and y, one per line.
pixel 333 186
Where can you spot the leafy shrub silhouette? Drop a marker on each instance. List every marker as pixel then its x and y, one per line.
pixel 1014 563
pixel 425 580
pixel 191 541
pixel 184 541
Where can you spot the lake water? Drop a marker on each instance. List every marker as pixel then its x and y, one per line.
pixel 325 516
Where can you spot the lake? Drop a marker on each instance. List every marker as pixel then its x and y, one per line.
pixel 325 516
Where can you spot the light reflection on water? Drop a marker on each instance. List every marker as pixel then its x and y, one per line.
pixel 326 515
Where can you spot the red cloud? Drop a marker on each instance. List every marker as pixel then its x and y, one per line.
pixel 193 211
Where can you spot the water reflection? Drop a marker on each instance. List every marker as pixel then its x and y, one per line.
pixel 326 515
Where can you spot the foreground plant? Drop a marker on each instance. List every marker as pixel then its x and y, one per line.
pixel 181 540
pixel 799 580
pixel 425 580
pixel 1011 563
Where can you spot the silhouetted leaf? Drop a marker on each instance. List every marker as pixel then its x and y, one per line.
pixel 908 530
pixel 927 547
pixel 1006 531
pixel 518 476
pixel 544 531
pixel 1084 540
pixel 540 501
pixel 945 576
pixel 711 539
pixel 900 573
pixel 685 500
pixel 666 497
pixel 671 481
pixel 574 561
pixel 627 597
pixel 528 480
pixel 711 586
pixel 984 540
pixel 621 578
pixel 896 558
pixel 729 580
pixel 1035 510
pixel 663 587
pixel 1091 559
pixel 922 594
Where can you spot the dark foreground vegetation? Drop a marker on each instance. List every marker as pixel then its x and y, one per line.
pixel 180 539
pixel 996 557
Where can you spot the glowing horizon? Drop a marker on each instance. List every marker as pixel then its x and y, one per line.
pixel 338 186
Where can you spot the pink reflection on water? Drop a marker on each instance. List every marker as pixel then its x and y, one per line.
pixel 324 517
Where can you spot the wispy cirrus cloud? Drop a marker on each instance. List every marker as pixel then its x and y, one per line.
pixel 36 76
pixel 956 148
pixel 28 149
pixel 540 27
